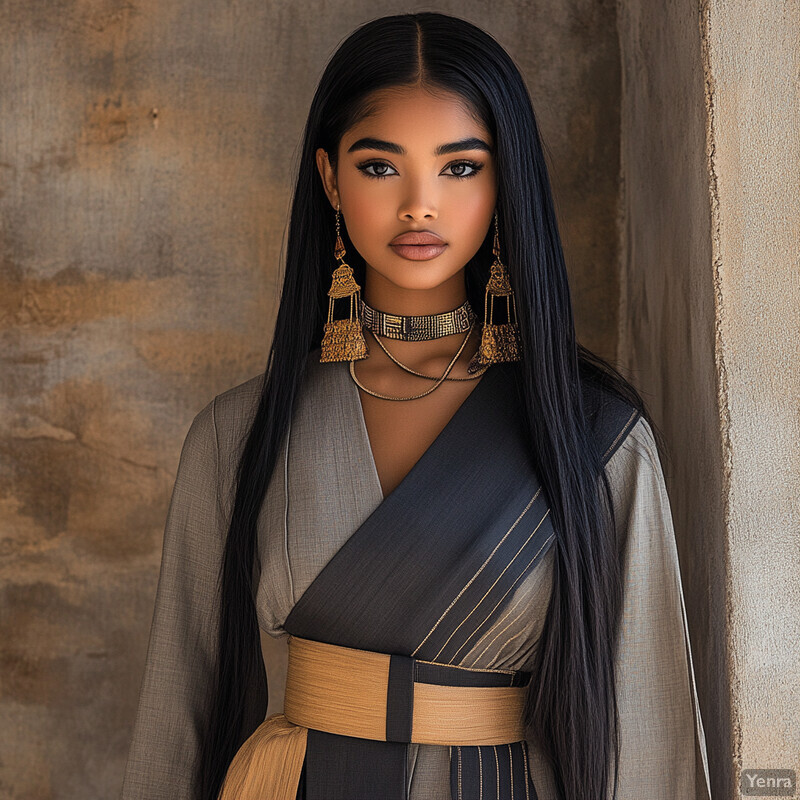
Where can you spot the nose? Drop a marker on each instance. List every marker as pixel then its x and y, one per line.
pixel 419 204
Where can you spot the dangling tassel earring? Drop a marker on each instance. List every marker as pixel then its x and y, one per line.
pixel 498 342
pixel 343 339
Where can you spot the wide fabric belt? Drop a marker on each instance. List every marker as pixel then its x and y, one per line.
pixel 370 695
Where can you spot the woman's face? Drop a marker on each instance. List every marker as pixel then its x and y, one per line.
pixel 420 163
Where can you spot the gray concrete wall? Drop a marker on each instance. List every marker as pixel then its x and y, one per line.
pixel 146 157
pixel 752 60
pixel 710 329
pixel 667 316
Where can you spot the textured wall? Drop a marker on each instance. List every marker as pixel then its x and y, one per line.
pixel 667 333
pixel 710 328
pixel 752 63
pixel 146 157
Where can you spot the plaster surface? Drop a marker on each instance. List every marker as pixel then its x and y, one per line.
pixel 710 330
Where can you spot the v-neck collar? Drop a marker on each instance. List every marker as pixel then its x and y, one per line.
pixel 366 446
pixel 432 531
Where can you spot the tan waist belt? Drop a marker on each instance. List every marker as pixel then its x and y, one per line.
pixel 370 695
pixel 347 691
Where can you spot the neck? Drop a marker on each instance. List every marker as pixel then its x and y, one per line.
pixel 390 298
pixel 428 355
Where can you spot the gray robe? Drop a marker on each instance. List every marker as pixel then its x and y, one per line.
pixel 323 488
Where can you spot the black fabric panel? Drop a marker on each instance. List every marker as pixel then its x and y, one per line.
pixel 610 418
pixel 400 699
pixel 447 675
pixel 490 773
pixel 348 768
pixel 621 433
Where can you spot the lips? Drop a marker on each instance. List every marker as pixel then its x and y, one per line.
pixel 417 238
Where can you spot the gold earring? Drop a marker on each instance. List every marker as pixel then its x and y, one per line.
pixel 343 339
pixel 498 342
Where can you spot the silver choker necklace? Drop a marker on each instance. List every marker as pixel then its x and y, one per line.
pixel 417 328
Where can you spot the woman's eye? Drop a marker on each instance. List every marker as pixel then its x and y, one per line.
pixel 378 165
pixel 460 165
pixel 457 169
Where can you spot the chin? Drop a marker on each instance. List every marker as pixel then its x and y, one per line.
pixel 418 278
pixel 407 274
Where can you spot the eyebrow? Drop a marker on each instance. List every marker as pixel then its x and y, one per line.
pixel 369 143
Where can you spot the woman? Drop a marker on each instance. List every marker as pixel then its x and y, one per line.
pixel 459 521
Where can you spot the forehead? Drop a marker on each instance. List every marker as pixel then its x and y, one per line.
pixel 414 115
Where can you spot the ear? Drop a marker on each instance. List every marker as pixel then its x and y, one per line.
pixel 328 176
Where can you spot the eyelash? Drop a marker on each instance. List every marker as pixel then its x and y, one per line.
pixel 476 168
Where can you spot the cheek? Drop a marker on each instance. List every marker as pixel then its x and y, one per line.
pixel 364 209
pixel 476 208
pixel 474 214
pixel 366 216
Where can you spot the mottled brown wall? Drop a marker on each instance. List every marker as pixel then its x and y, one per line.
pixel 146 158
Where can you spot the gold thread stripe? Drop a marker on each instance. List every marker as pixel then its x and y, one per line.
pixel 497 770
pixel 472 579
pixel 519 616
pixel 499 622
pixel 470 669
pixel 480 773
pixel 527 774
pixel 624 428
pixel 505 616
pixel 496 581
pixel 459 773
pixel 508 641
pixel 497 604
pixel 511 770
pixel 518 602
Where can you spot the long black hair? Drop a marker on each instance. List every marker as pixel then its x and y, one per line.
pixel 571 707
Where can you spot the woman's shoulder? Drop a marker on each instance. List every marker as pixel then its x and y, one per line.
pixel 633 466
pixel 239 401
pixel 611 418
pixel 220 421
pixel 234 409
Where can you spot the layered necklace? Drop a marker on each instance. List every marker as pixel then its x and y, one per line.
pixel 417 328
